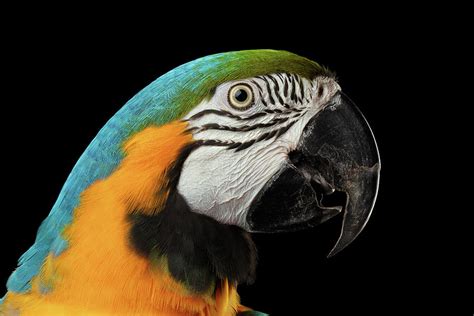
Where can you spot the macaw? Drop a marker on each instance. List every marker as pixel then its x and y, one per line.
pixel 156 216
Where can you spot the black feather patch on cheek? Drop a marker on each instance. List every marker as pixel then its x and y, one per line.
pixel 198 249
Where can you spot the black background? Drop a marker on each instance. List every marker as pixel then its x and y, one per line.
pixel 62 82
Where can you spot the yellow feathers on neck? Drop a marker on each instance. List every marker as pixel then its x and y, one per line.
pixel 99 273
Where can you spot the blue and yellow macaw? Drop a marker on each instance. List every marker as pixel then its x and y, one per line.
pixel 156 216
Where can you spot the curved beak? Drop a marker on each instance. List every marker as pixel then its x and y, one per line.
pixel 335 168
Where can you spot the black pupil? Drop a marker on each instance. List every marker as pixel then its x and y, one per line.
pixel 241 95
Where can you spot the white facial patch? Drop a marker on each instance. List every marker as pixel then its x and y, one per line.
pixel 243 148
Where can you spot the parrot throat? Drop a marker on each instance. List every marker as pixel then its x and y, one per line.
pixel 195 249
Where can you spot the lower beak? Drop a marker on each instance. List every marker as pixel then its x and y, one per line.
pixel 335 168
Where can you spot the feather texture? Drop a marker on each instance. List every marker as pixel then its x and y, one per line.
pixel 121 171
pixel 168 98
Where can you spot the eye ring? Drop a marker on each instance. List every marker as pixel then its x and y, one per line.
pixel 240 96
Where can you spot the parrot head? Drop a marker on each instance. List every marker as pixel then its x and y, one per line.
pixel 216 149
pixel 276 146
pixel 280 149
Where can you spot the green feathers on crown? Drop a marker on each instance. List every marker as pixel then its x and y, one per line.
pixel 194 81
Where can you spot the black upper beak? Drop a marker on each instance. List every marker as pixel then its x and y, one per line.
pixel 335 168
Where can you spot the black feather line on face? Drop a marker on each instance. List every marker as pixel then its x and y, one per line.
pixel 276 89
pixel 269 90
pixel 293 89
pixel 285 87
pixel 258 85
pixel 198 249
pixel 243 128
pixel 226 114
pixel 263 100
pixel 260 91
pixel 300 82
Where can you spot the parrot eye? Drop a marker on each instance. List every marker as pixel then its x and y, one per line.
pixel 241 96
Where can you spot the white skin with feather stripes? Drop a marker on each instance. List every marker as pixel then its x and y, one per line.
pixel 247 145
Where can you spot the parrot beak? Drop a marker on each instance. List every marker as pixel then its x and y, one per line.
pixel 334 169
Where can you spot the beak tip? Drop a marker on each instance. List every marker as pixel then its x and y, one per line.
pixel 338 247
pixel 332 253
